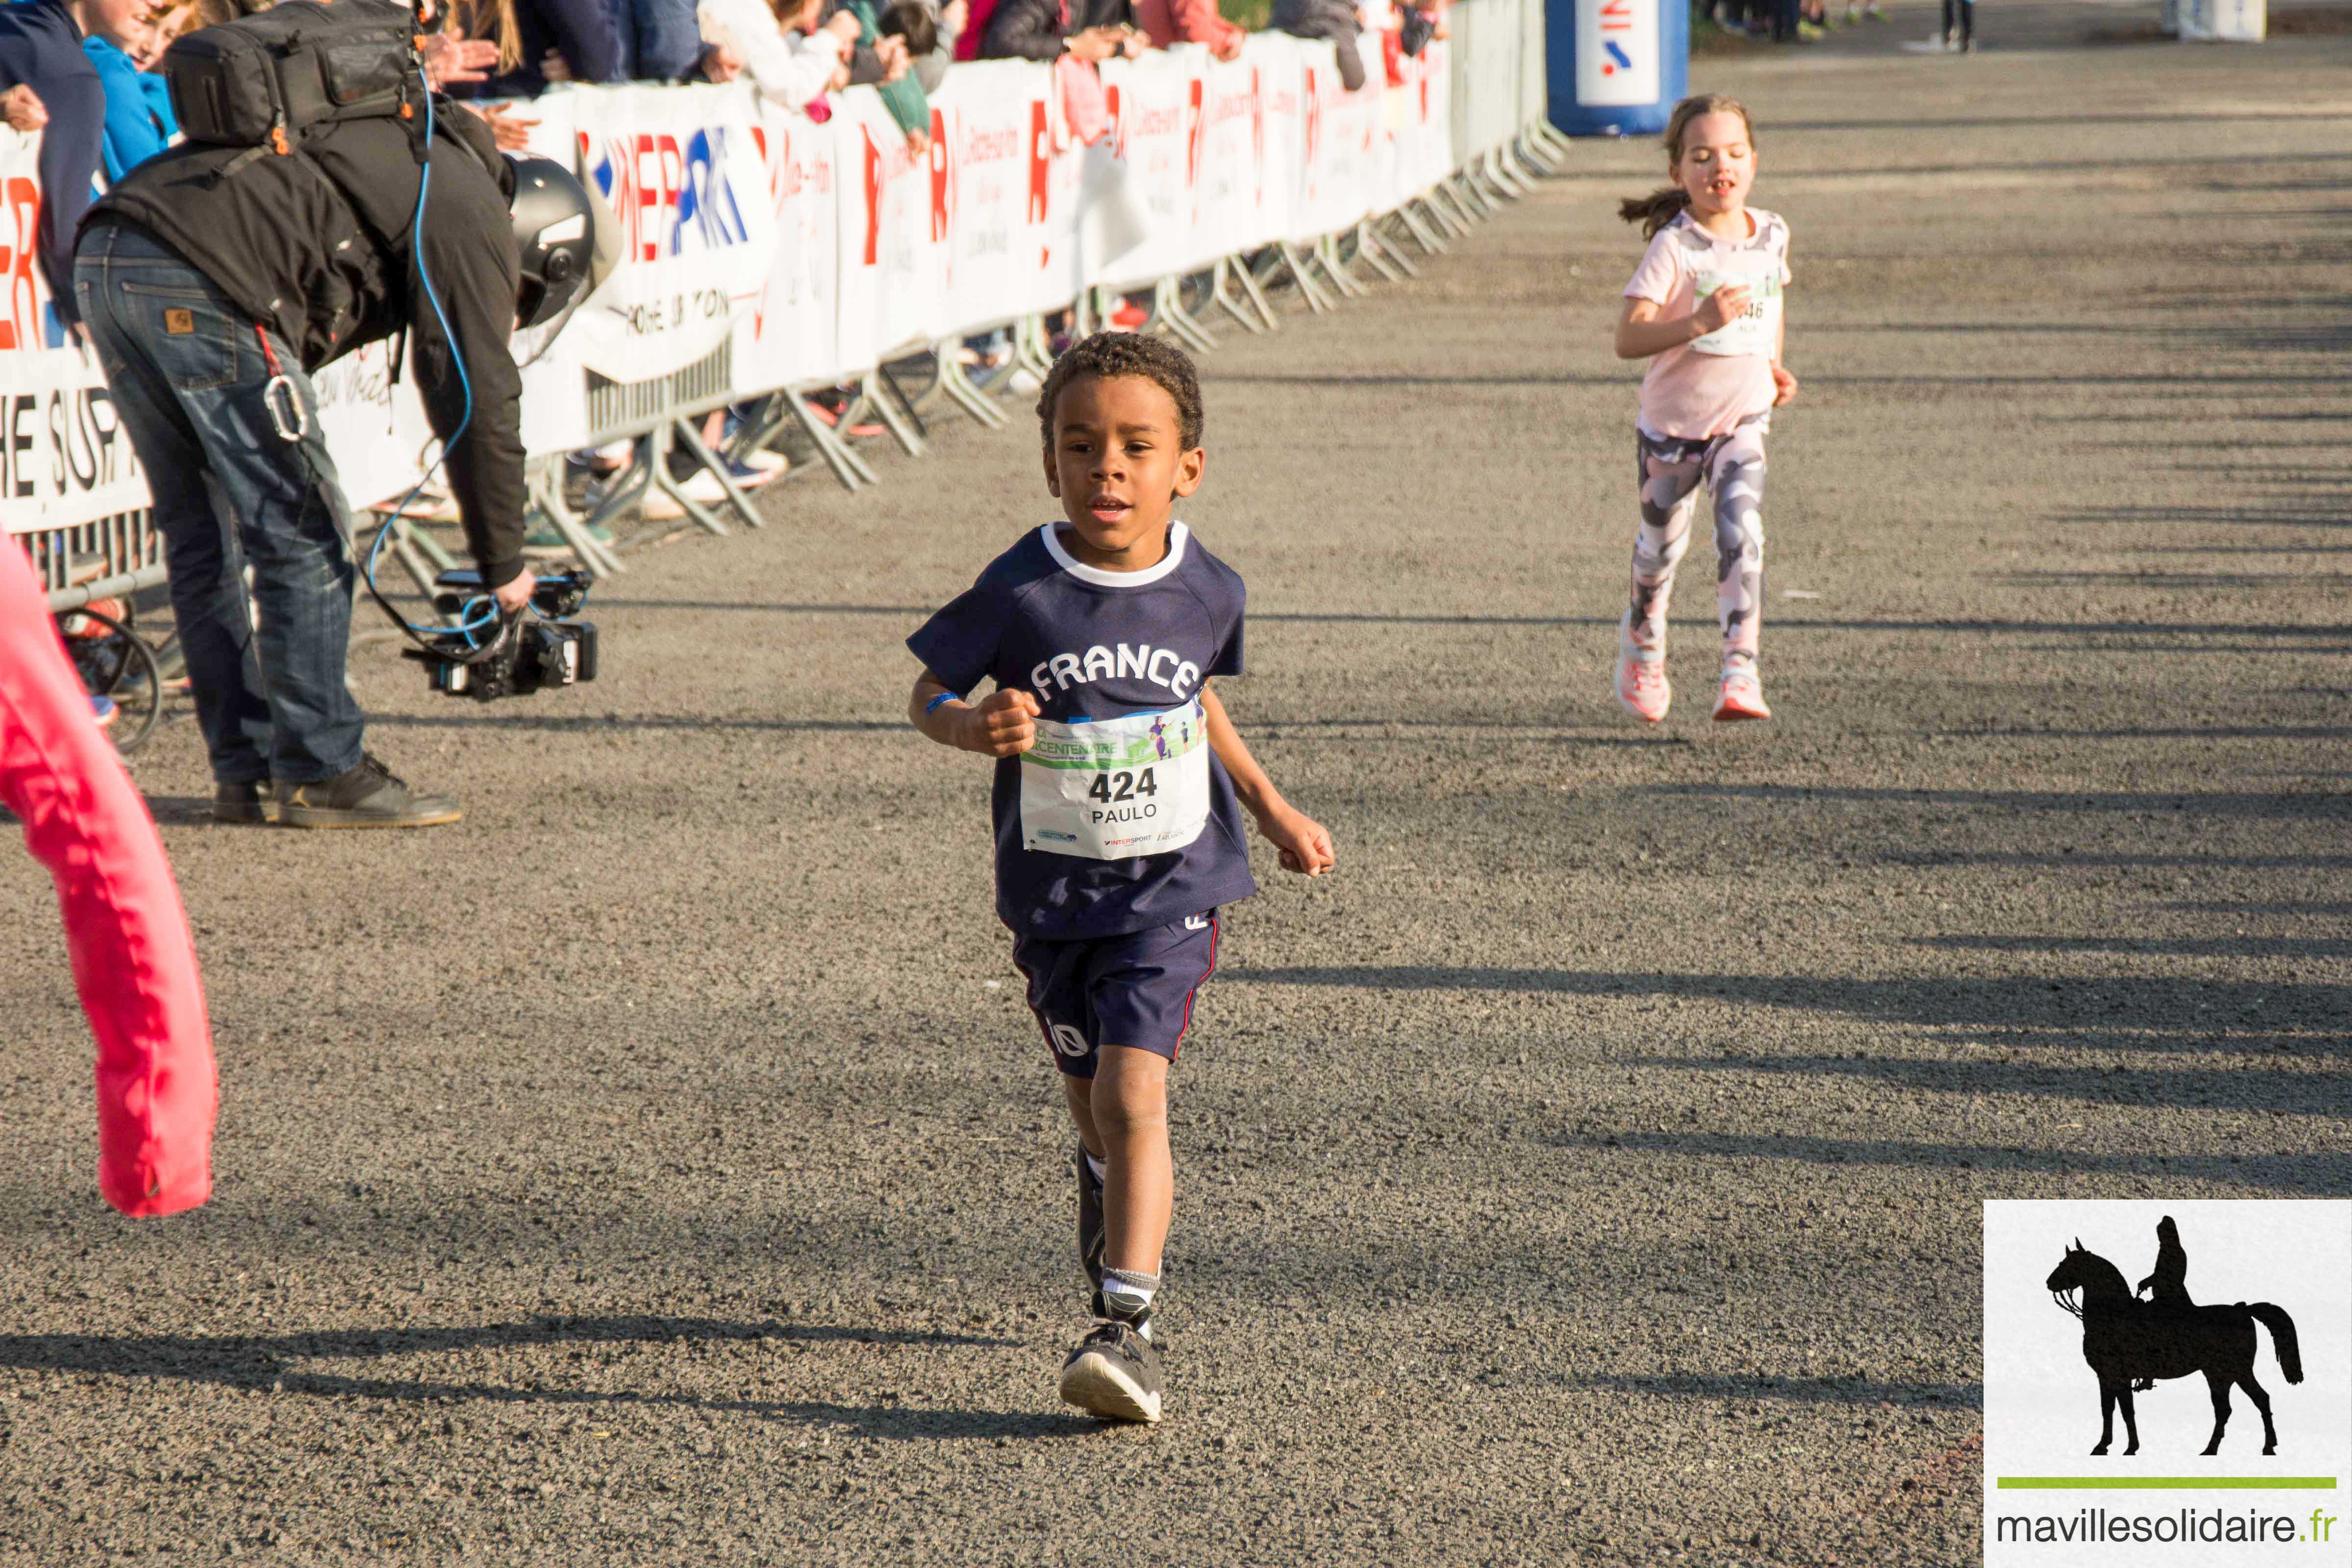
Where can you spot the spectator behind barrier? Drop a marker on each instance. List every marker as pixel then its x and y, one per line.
pixel 1046 30
pixel 1334 19
pixel 659 39
pixel 139 122
pixel 539 42
pixel 47 84
pixel 948 24
pixel 1170 22
pixel 791 66
pixel 883 60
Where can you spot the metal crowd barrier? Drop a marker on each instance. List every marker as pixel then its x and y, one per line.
pixel 1497 89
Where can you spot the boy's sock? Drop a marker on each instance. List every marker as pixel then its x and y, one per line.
pixel 1128 1294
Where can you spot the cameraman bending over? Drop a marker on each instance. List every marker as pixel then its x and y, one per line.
pixel 213 278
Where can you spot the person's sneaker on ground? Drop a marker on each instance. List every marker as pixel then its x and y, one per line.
pixel 1967 46
pixel 1113 1372
pixel 252 801
pixel 103 711
pixel 1641 676
pixel 368 795
pixel 1741 695
pixel 767 464
pixel 1811 32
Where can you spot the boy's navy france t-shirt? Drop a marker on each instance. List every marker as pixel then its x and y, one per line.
pixel 1092 645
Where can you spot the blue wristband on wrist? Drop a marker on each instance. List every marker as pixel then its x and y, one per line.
pixel 933 705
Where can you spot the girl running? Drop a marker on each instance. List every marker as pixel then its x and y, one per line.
pixel 1704 309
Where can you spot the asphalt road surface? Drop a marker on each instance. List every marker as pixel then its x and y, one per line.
pixel 660 1168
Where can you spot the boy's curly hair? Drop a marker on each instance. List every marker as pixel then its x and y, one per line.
pixel 1108 354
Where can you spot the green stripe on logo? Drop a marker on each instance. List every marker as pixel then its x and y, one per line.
pixel 2166 1483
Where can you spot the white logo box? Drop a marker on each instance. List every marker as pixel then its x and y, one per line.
pixel 2049 1504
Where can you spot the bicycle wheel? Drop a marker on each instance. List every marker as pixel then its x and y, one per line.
pixel 115 663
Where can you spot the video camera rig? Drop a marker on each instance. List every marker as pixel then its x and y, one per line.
pixel 542 645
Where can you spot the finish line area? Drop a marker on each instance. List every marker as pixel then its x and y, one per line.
pixel 662 1161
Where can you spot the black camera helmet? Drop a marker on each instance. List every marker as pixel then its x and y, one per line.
pixel 563 238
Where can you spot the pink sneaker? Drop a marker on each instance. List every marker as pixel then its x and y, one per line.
pixel 1741 695
pixel 1642 684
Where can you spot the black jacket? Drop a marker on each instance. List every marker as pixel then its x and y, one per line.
pixel 40 47
pixel 1033 29
pixel 319 246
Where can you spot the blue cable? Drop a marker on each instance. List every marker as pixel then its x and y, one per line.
pixel 483 611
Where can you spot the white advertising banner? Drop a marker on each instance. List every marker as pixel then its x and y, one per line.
pixel 64 457
pixel 892 242
pixel 1147 178
pixel 1011 192
pixel 790 334
pixel 1338 171
pixel 681 168
pixel 1233 201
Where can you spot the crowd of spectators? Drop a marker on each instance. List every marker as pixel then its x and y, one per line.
pixel 84 72
pixel 1787 21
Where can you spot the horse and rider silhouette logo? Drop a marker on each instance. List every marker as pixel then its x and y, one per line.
pixel 2133 1344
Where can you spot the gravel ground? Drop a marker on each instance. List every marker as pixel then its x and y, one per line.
pixel 660 1168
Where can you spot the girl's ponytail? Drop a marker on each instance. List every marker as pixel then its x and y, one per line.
pixel 1660 206
pixel 1655 211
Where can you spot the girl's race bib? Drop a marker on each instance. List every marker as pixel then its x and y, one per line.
pixel 1115 788
pixel 1755 328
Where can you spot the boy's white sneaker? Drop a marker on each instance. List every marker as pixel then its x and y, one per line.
pixel 1114 1374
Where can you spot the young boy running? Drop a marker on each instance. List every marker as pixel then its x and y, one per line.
pixel 1119 788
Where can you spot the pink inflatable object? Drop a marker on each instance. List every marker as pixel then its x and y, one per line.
pixel 134 960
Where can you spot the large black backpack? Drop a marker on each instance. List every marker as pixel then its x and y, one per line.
pixel 262 79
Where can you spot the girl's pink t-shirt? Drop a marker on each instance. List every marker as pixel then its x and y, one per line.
pixel 1704 388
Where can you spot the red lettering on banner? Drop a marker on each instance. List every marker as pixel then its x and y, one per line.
pixel 649 195
pixel 942 184
pixel 22 329
pixel 1257 126
pixel 990 146
pixel 1197 129
pixel 1616 15
pixel 1314 117
pixel 1117 122
pixel 1041 170
pixel 873 197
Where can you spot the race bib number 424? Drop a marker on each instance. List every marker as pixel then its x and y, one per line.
pixel 1116 788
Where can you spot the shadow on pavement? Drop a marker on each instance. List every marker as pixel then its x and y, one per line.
pixel 2290 1093
pixel 2286 806
pixel 2112 1012
pixel 1799 1390
pixel 2317 1173
pixel 251 1364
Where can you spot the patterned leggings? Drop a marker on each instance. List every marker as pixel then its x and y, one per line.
pixel 1732 465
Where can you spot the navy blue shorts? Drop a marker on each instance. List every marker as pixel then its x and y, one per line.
pixel 1132 990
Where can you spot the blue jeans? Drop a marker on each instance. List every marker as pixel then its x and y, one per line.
pixel 185 369
pixel 660 40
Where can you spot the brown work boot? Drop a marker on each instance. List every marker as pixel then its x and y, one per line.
pixel 366 797
pixel 250 801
